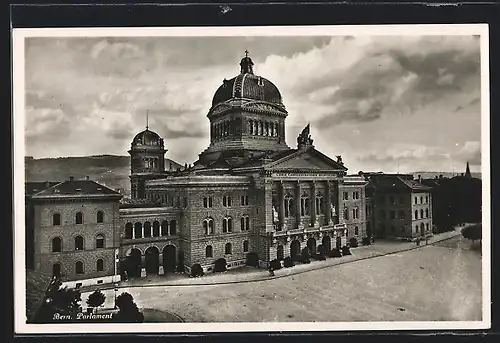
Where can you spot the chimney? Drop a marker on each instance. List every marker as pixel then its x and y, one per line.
pixel 71 178
pixel 87 177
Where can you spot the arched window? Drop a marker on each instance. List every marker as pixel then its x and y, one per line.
pixel 79 218
pixel 147 229
pixel 346 213
pixel 242 223
pixel 173 227
pixel 56 270
pixel 78 243
pixel 247 223
pixel 156 229
pixel 129 229
pixel 427 226
pixel 426 199
pixel 208 226
pixel 138 230
pixel 164 228
pixel 356 230
pixel 416 228
pixel 209 251
pixel 426 213
pixel 56 219
pixel 421 200
pixel 100 216
pixel 245 246
pixel 228 249
pixel 79 267
pixel 210 202
pixel 227 225
pixel 416 200
pixel 99 241
pixel 100 265
pixel 421 214
pixel 422 227
pixel 56 244
pixel 416 214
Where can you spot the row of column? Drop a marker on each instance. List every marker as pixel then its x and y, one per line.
pixel 254 127
pixel 298 217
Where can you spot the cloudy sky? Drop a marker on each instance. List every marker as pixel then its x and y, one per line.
pixel 379 101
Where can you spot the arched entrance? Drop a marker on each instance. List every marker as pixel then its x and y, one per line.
pixel 295 249
pixel 311 246
pixel 169 259
pixel 280 255
pixel 338 242
pixel 133 263
pixel 327 243
pixel 152 260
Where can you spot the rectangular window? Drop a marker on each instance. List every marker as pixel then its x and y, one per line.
pixel 224 201
pixel 242 200
pixel 229 201
pixel 205 202
pixel 210 202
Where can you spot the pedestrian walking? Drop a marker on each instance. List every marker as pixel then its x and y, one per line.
pixel 426 240
pixel 418 241
pixel 271 271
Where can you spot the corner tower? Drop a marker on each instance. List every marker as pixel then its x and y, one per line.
pixel 147 160
pixel 247 117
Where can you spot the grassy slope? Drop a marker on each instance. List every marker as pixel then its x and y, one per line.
pixel 113 171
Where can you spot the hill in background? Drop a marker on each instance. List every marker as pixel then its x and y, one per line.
pixel 109 170
pixel 431 175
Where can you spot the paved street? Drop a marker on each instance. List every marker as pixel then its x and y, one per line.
pixel 436 282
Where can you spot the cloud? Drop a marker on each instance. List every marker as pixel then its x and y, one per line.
pixel 469 152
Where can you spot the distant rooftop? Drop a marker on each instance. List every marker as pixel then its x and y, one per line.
pixel 73 187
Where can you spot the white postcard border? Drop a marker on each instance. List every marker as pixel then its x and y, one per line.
pixel 19 36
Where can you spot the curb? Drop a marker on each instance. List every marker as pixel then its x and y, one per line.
pixel 268 278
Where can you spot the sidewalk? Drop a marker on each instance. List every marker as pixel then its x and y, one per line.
pixel 252 274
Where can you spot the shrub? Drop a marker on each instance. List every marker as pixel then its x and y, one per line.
pixel 288 262
pixel 197 270
pixel 220 265
pixel 304 256
pixel 335 252
pixel 252 259
pixel 319 257
pixel 353 242
pixel 322 249
pixel 346 250
pixel 275 264
pixel 366 241
pixel 128 313
pixel 96 299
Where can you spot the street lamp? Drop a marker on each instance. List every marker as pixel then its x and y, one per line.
pixel 116 290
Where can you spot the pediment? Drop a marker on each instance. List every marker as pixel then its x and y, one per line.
pixel 310 159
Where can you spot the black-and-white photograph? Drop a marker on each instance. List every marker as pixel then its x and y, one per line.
pixel 211 179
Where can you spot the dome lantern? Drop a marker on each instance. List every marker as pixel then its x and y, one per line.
pixel 246 64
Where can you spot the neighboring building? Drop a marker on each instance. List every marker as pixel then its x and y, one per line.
pixel 75 223
pixel 402 207
pixel 456 200
pixel 248 192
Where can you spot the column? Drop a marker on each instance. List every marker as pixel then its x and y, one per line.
pixel 328 212
pixel 281 209
pixel 133 231
pixel 312 204
pixel 142 230
pixel 297 206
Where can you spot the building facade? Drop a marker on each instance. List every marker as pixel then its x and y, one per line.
pixel 401 206
pixel 75 223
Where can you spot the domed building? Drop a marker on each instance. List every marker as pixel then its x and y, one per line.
pixel 248 197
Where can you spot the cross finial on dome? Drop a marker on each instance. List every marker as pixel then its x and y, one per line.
pixel 246 53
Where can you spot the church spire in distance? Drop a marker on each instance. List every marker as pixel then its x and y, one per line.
pixel 467 170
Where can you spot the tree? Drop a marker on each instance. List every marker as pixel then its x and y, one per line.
pixel 128 311
pixel 61 300
pixel 473 232
pixel 96 299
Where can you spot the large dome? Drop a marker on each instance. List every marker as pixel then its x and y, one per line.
pixel 247 86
